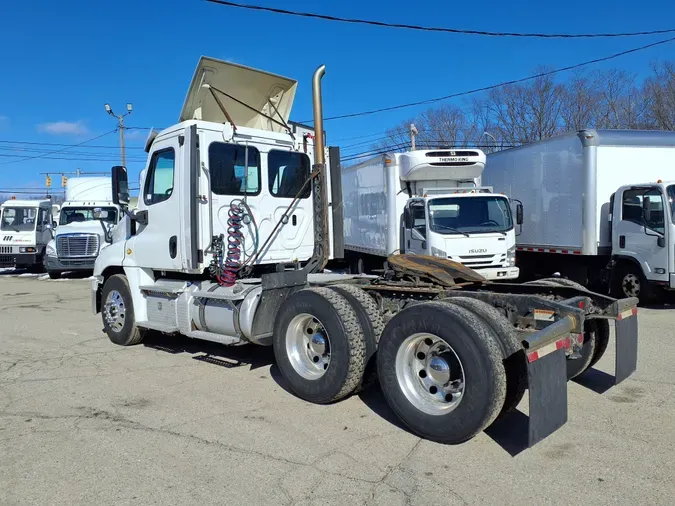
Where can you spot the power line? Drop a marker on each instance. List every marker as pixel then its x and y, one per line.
pixel 438 29
pixel 493 86
pixel 32 143
pixel 59 150
pixel 139 160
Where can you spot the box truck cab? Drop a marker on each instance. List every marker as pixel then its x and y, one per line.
pixel 428 202
pixel 25 230
pixel 474 227
pixel 642 230
pixel 81 231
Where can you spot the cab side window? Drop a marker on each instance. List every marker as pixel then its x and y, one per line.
pixel 287 174
pixel 633 205
pixel 233 171
pixel 159 182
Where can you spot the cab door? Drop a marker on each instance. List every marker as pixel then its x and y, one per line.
pixel 156 244
pixel 415 231
pixel 640 232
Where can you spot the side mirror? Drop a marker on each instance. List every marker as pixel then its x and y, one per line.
pixel 100 214
pixel 519 214
pixel 646 210
pixel 661 242
pixel 120 186
pixel 54 224
pixel 407 221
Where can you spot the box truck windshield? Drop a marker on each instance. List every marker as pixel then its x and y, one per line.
pixel 671 199
pixel 78 214
pixel 18 219
pixel 462 215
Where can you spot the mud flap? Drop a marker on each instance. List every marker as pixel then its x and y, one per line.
pixel 626 330
pixel 547 385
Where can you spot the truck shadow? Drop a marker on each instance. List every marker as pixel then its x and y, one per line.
pixel 227 357
pixel 595 380
pixel 510 432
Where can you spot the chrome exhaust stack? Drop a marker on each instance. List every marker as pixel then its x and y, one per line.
pixel 320 200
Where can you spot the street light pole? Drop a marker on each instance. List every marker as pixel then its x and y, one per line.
pixel 120 126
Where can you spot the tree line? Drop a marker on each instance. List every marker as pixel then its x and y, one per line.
pixel 543 107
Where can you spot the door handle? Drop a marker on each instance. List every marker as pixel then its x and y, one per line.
pixel 294 220
pixel 622 241
pixel 173 241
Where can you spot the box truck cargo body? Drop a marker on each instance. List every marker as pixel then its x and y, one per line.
pixel 579 192
pixel 427 202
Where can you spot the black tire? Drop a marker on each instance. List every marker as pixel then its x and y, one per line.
pixel 129 334
pixel 372 324
pixel 346 338
pixel 357 265
pixel 564 282
pixel 481 360
pixel 54 274
pixel 589 347
pixel 601 340
pixel 624 279
pixel 578 365
pixel 513 356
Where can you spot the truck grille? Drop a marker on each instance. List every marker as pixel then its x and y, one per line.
pixel 6 261
pixel 478 261
pixel 5 249
pixel 77 245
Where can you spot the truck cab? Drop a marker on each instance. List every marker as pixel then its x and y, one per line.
pixel 642 231
pixel 474 227
pixel 85 220
pixel 25 230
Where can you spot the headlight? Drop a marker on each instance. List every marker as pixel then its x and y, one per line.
pixel 438 252
pixel 27 250
pixel 50 250
pixel 511 256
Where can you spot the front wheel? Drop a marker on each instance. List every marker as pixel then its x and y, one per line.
pixel 629 281
pixel 117 311
pixel 54 274
pixel 441 371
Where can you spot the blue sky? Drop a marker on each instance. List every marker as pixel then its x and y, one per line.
pixel 62 61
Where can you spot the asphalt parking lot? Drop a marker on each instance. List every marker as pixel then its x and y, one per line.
pixel 174 421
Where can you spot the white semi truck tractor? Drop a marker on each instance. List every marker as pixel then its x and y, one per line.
pixel 229 241
pixel 81 231
pixel 427 202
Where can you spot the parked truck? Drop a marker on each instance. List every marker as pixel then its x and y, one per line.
pixel 427 202
pixel 25 230
pixel 598 208
pixel 79 234
pixel 229 242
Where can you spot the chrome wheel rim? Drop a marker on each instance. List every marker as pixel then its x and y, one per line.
pixel 430 374
pixel 631 285
pixel 308 346
pixel 114 311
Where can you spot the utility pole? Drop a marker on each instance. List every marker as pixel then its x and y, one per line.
pixel 413 133
pixel 120 126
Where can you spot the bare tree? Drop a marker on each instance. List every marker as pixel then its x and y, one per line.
pixel 579 100
pixel 660 96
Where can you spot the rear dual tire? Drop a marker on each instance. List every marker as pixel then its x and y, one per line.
pixel 595 339
pixel 319 345
pixel 440 368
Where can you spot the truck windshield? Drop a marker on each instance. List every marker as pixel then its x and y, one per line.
pixel 464 215
pixel 78 214
pixel 18 219
pixel 671 199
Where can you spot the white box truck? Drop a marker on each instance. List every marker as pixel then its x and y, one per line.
pixel 25 230
pixel 230 244
pixel 598 208
pixel 80 232
pixel 426 202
